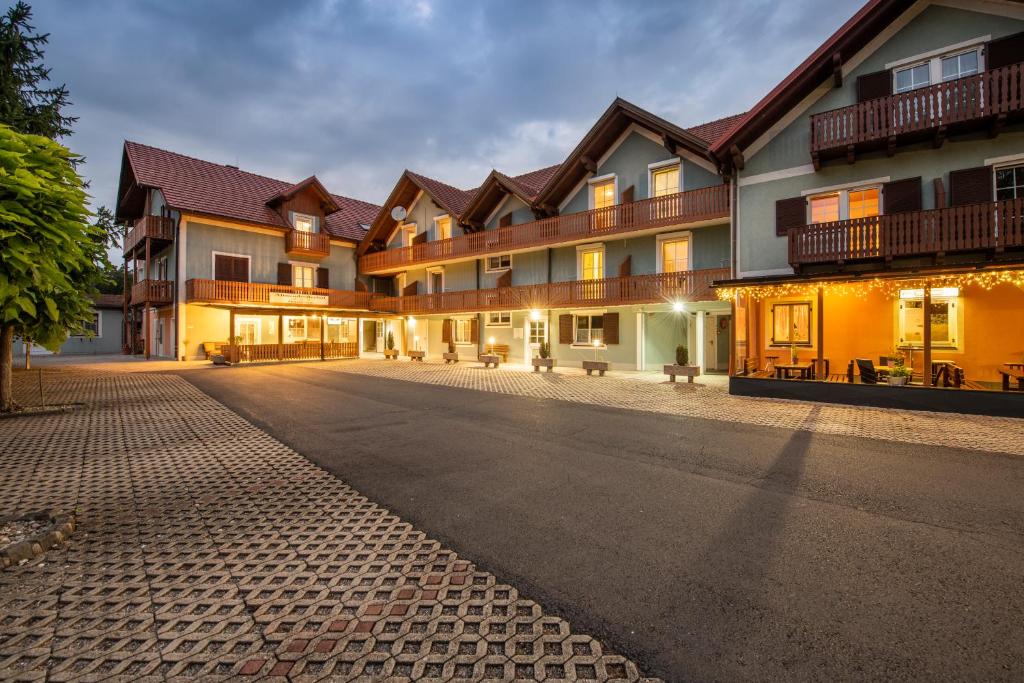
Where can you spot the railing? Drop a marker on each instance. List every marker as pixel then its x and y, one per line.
pixel 154 227
pixel 684 207
pixel 991 93
pixel 694 285
pixel 243 353
pixel 224 292
pixel 153 292
pixel 992 225
pixel 307 243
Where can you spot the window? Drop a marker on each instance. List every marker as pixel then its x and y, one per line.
pixel 501 262
pixel 604 193
pixel 408 231
pixel 913 77
pixel 791 324
pixel 444 227
pixel 435 280
pixel 538 332
pixel 665 181
pixel 589 328
pixel 462 330
pixel 303 223
pixel 861 202
pixel 499 319
pixel 161 268
pixel 943 317
pixel 937 69
pixel 303 276
pixel 591 264
pixel 825 209
pixel 230 267
pixel 1010 182
pixel 91 328
pixel 675 255
pixel 958 66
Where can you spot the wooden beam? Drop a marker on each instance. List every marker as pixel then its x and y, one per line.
pixel 820 370
pixel 940 137
pixel 323 324
pixel 671 145
pixel 996 125
pixel 231 334
pixel 588 163
pixel 280 337
pixel 837 70
pixel 926 371
pixel 737 157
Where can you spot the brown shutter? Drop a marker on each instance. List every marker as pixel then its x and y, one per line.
pixel 323 278
pixel 790 213
pixel 420 238
pixel 505 220
pixel 565 329
pixel 877 84
pixel 627 196
pixel 474 330
pixel 610 322
pixel 241 269
pixel 505 279
pixel 901 196
pixel 284 274
pixel 446 330
pixel 626 267
pixel 940 194
pixel 411 289
pixel 1004 51
pixel 970 186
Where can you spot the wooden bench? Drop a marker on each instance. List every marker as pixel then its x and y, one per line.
pixel 600 365
pixel 1012 371
pixel 498 350
pixel 489 359
pixel 212 349
pixel 417 355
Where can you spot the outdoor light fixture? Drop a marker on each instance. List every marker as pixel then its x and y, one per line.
pixel 490 340
pixel 535 315
pixel 597 343
pixel 412 323
pixel 677 306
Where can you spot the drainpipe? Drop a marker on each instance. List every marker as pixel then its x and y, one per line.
pixel 177 272
pixel 734 193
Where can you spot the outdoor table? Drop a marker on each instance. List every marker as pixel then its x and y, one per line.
pixel 786 370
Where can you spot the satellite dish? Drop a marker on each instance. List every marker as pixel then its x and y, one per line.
pixel 399 213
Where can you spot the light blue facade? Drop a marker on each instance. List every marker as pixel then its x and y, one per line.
pixel 107 340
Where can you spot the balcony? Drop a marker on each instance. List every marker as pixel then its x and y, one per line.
pixel 258 294
pixel 991 226
pixel 694 285
pixel 300 243
pixel 985 99
pixel 676 209
pixel 158 228
pixel 152 292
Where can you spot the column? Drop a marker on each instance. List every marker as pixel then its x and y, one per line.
pixel 323 324
pixel 700 343
pixel 820 368
pixel 640 341
pixel 235 353
pixel 926 370
pixel 280 337
pixel 359 337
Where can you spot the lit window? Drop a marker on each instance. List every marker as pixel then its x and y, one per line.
pixel 845 204
pixel 665 181
pixel 825 209
pixel 791 323
pixel 303 223
pixel 538 332
pixel 303 276
pixel 943 317
pixel 592 264
pixel 461 330
pixel 501 262
pixel 589 328
pixel 1010 182
pixel 444 227
pixel 913 77
pixel 863 203
pixel 675 256
pixel 604 194
pixel 958 66
pixel 499 319
pixel 408 234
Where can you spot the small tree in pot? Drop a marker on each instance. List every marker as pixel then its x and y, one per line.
pixel 389 346
pixel 451 356
pixel 682 367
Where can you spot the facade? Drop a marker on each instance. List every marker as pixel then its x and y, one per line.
pixel 880 195
pixel 101 336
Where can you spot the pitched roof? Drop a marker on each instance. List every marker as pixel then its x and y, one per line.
pixel 109 300
pixel 449 198
pixel 194 185
pixel 712 130
pixel 534 181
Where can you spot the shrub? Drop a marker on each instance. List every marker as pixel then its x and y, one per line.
pixel 451 347
pixel 545 350
pixel 682 355
pixel 390 343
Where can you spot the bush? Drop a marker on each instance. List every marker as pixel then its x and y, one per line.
pixel 682 355
pixel 545 350
pixel 451 347
pixel 390 343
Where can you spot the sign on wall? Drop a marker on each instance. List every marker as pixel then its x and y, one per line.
pixel 298 299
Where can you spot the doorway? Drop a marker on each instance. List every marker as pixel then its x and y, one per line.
pixel 535 333
pixel 716 341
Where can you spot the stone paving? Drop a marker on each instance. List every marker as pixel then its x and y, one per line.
pixel 709 398
pixel 207 550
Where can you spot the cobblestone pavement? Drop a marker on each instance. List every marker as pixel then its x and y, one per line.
pixel 709 398
pixel 205 549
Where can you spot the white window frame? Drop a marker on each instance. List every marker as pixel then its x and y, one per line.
pixel 430 280
pixel 659 166
pixel 934 61
pixel 409 233
pixel 500 268
pixel 675 237
pixel 1016 163
pixel 213 264
pixel 402 281
pixel 954 317
pixel 437 227
pixel 303 264
pixel 583 248
pixel 529 331
pixel 240 319
pixel 490 323
pixel 844 197
pixel 295 221
pixel 575 326
pixel 161 262
pixel 467 326
pixel 600 180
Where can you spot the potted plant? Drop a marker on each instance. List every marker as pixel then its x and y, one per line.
pixel 451 356
pixel 389 346
pixel 899 375
pixel 543 358
pixel 682 367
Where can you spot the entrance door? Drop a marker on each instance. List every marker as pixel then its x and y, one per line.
pixel 535 332
pixel 722 341
pixel 716 341
pixel 248 329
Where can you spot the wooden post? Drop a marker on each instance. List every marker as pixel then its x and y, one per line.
pixel 235 354
pixel 280 337
pixel 820 370
pixel 323 322
pixel 926 371
pixel 732 337
pixel 145 298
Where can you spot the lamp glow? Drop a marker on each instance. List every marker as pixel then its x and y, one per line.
pixel 490 340
pixel 412 323
pixel 535 315
pixel 677 306
pixel 597 343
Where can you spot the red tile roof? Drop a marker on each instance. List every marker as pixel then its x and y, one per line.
pixel 452 199
pixel 193 185
pixel 712 130
pixel 534 181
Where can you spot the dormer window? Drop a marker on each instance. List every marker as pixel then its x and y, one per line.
pixel 937 69
pixel 303 223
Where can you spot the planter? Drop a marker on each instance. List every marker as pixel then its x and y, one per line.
pixel 450 357
pixel 417 355
pixel 489 359
pixel 898 381
pixel 390 354
pixel 600 365
pixel 539 363
pixel 687 371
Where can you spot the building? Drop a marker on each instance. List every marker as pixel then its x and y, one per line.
pixel 880 211
pixel 609 255
pixel 101 336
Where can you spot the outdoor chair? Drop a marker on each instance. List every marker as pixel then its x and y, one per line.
pixel 868 374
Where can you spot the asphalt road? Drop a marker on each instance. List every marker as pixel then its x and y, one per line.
pixel 703 549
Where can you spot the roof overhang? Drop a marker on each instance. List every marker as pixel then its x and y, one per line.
pixel 490 194
pixel 131 197
pixel 310 184
pixel 403 194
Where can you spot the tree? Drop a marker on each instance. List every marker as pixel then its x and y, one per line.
pixel 26 103
pixel 51 258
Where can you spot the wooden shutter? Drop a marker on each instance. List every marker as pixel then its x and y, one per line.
pixel 626 267
pixel 446 330
pixel 877 84
pixel 1004 51
pixel 474 330
pixel 565 329
pixel 611 328
pixel 230 268
pixel 284 274
pixel 627 195
pixel 790 213
pixel 505 220
pixel 505 279
pixel 940 194
pixel 900 196
pixel 420 238
pixel 970 186
pixel 323 278
pixel 411 289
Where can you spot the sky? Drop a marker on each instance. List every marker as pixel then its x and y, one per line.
pixel 357 91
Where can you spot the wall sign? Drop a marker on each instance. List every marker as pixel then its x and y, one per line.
pixel 298 299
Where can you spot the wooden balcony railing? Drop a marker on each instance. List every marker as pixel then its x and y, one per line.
pixel 154 227
pixel 694 285
pixel 675 209
pixel 241 353
pixel 254 293
pixel 988 226
pixel 152 292
pixel 993 93
pixel 301 243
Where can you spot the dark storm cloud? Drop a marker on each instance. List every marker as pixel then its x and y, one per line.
pixel 355 91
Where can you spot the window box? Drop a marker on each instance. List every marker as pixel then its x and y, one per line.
pixel 687 371
pixel 600 365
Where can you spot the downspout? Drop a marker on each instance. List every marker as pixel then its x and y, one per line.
pixel 734 213
pixel 177 283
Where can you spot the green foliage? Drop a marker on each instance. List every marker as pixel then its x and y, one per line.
pixel 51 259
pixel 451 347
pixel 389 344
pixel 545 350
pixel 899 370
pixel 27 104
pixel 682 355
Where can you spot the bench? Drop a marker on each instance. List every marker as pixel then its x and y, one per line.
pixel 1012 371
pixel 600 365
pixel 489 359
pixel 417 355
pixel 687 371
pixel 212 349
pixel 498 350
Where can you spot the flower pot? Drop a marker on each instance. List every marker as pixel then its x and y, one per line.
pixel 452 357
pixel 417 355
pixel 600 365
pixel 390 353
pixel 687 371
pixel 898 381
pixel 489 359
pixel 539 363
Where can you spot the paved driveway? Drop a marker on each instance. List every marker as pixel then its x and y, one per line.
pixel 705 549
